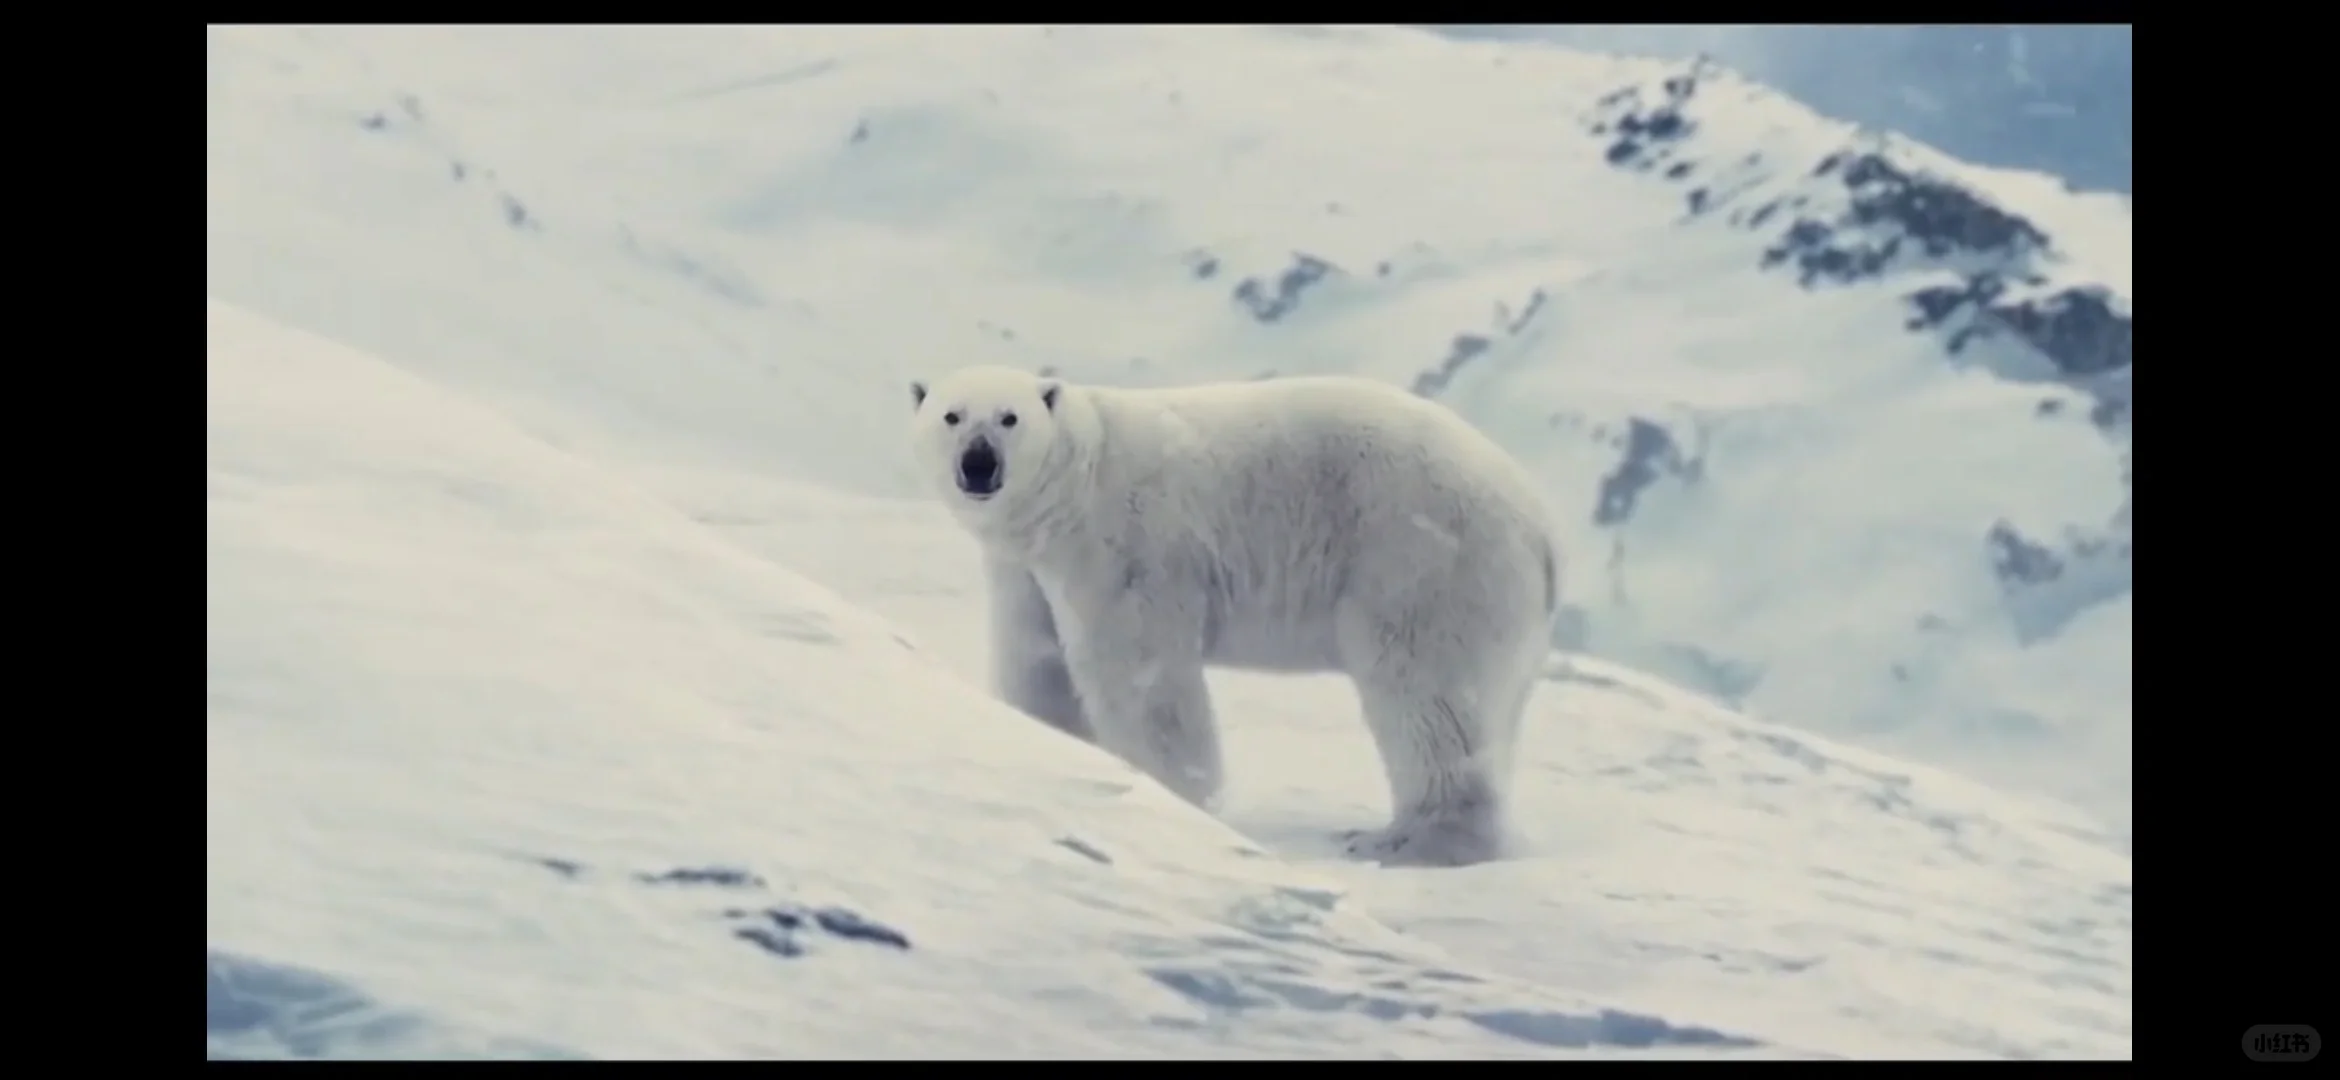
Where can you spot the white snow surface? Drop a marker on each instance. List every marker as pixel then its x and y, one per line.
pixel 611 331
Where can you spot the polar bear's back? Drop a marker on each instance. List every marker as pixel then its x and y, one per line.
pixel 1295 494
pixel 1367 438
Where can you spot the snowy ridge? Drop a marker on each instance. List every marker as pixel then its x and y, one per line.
pixel 1875 205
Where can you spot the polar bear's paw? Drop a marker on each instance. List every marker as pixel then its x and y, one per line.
pixel 1433 841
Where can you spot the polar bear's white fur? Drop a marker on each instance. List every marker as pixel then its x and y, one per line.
pixel 1135 537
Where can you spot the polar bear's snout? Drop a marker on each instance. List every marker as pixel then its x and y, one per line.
pixel 979 469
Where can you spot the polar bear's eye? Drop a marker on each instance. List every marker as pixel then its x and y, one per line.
pixel 1007 419
pixel 951 418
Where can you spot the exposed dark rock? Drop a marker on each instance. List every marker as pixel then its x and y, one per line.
pixel 1271 302
pixel 2078 329
pixel 1468 347
pixel 720 876
pixel 1649 453
pixel 2082 331
pixel 1942 219
pixel 2020 561
pixel 381 120
pixel 781 930
pixel 1642 127
pixel 1464 348
pixel 2046 586
pixel 850 926
pixel 1514 324
pixel 516 215
pixel 779 943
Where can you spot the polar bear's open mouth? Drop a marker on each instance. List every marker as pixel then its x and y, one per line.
pixel 979 471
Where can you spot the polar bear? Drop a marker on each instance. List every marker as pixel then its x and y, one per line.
pixel 1135 537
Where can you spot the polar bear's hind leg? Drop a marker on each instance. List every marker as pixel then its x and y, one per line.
pixel 1444 764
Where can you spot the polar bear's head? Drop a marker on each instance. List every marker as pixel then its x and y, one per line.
pixel 986 437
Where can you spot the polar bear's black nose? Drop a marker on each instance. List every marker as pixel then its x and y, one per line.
pixel 979 469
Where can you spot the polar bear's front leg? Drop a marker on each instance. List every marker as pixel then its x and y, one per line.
pixel 1027 659
pixel 1139 677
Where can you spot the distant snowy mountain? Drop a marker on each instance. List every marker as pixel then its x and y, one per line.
pixel 2058 99
pixel 1841 424
pixel 507 757
pixel 1841 427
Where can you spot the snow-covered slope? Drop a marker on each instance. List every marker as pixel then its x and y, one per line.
pixel 507 756
pixel 1841 425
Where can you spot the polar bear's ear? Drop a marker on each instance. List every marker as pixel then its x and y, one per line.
pixel 917 393
pixel 1048 391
